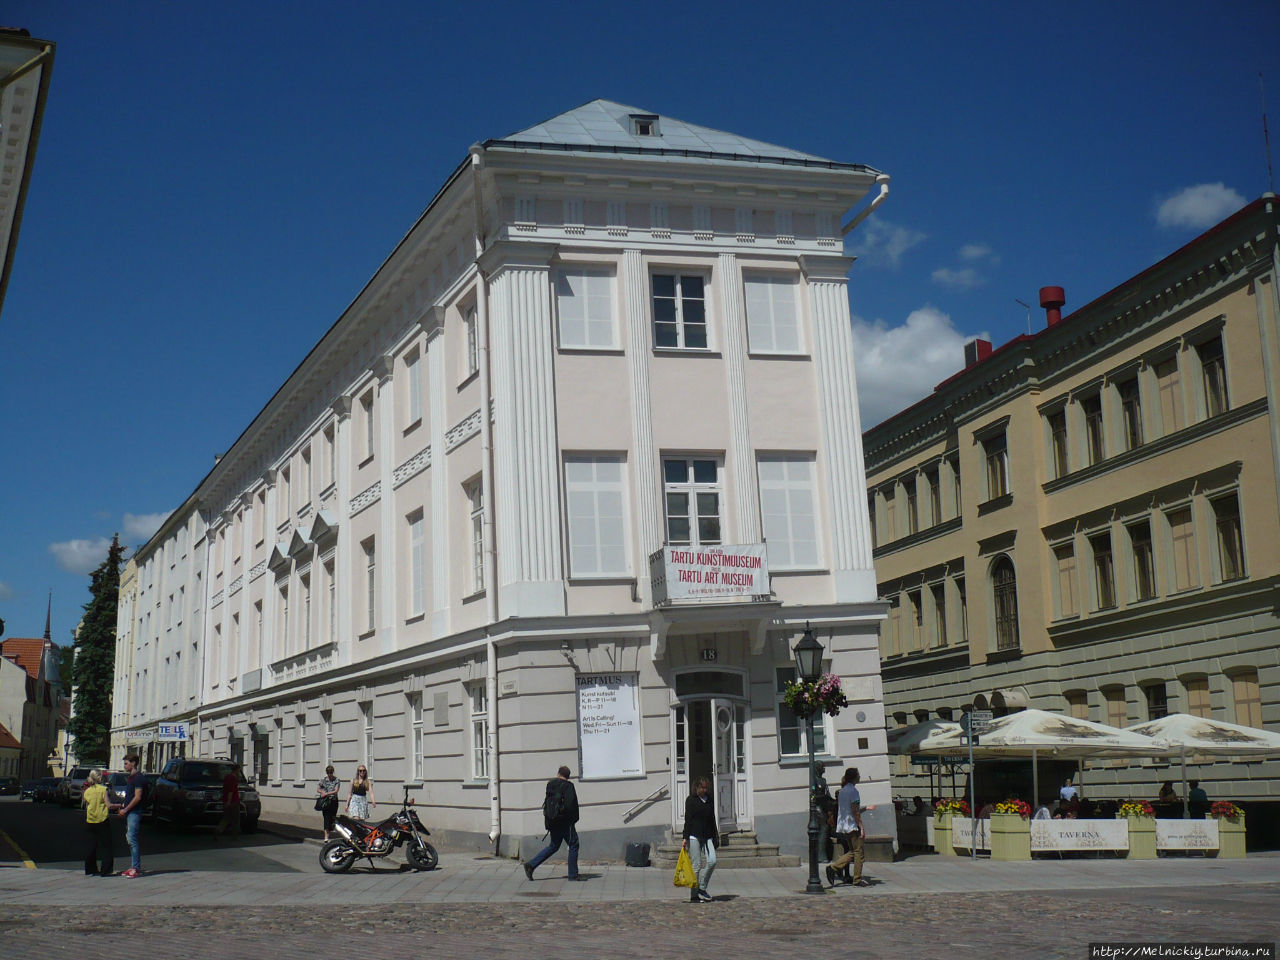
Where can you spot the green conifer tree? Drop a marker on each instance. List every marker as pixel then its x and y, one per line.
pixel 94 670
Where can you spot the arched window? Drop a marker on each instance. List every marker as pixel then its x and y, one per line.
pixel 1004 583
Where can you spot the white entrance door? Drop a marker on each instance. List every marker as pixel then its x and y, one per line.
pixel 709 738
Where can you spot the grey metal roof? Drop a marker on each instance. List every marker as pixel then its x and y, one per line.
pixel 606 125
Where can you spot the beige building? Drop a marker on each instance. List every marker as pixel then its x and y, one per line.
pixel 1085 520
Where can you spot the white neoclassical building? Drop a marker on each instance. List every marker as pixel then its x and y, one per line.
pixel 564 484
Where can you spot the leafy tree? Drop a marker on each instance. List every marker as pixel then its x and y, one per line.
pixel 94 671
pixel 64 655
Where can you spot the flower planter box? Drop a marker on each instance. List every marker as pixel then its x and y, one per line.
pixel 1010 837
pixel 1142 837
pixel 1231 837
pixel 942 834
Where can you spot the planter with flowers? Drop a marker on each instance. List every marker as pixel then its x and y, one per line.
pixel 943 811
pixel 1230 828
pixel 1140 818
pixel 1011 830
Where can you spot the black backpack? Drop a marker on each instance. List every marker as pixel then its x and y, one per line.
pixel 556 806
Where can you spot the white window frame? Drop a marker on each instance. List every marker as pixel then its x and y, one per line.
pixel 681 301
pixel 474 491
pixel 300 764
pixel 277 775
pixel 691 488
pixel 417 564
pixel 370 548
pixel 478 730
pixel 413 384
pixel 589 291
pixel 823 728
pixel 768 298
pixel 369 432
pixel 366 720
pixel 470 344
pixel 792 535
pixel 417 737
pixel 305 581
pixel 589 490
pixel 326 734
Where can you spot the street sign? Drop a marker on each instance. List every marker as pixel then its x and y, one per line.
pixel 935 761
pixel 976 721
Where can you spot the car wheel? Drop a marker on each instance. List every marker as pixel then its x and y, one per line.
pixel 250 826
pixel 337 856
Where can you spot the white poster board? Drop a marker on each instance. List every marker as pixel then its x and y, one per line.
pixel 1187 834
pixel 694 573
pixel 609 725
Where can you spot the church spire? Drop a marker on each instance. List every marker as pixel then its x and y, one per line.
pixel 48 617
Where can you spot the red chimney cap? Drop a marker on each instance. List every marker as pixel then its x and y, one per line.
pixel 1052 297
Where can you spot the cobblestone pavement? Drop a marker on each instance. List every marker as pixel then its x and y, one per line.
pixel 971 926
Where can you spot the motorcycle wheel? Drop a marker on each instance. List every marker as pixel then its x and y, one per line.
pixel 337 856
pixel 422 857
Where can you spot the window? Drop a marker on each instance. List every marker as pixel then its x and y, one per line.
pixel 1064 556
pixel 789 512
pixel 370 585
pixel 872 520
pixel 893 627
pixel 417 743
pixel 1117 709
pixel 478 726
pixel 692 489
pixel 1198 696
pixel 917 621
pixel 366 415
pixel 964 611
pixel 1169 386
pixel 1226 518
pixel 300 762
pixel 331 603
pixel 1144 570
pixel 935 496
pixel 470 343
pixel 595 502
pixel 939 591
pixel 1248 704
pixel 259 519
pixel 1005 591
pixel 1131 413
pixel 1213 368
pixel 791 729
pixel 584 304
pixel 1157 700
pixel 279 752
pixel 304 494
pixel 285 505
pixel 1077 704
pixel 913 507
pixel 475 497
pixel 644 124
pixel 890 513
pixel 1182 537
pixel 996 450
pixel 413 389
pixel 259 637
pixel 366 719
pixel 1104 576
pixel 679 311
pixel 1057 423
pixel 330 456
pixel 417 565
pixel 305 581
pixel 326 734
pixel 1093 428
pixel 282 641
pixel 772 322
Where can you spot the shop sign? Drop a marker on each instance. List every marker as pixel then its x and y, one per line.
pixel 172 731
pixel 137 736
pixel 701 573
pixel 1049 835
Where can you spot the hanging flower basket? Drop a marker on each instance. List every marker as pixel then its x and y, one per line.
pixel 1226 810
pixel 1136 808
pixel 1020 807
pixel 823 695
pixel 951 805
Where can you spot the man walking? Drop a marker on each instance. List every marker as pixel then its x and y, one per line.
pixel 230 807
pixel 559 814
pixel 848 831
pixel 135 789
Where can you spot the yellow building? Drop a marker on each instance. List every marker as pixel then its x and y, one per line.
pixel 1085 520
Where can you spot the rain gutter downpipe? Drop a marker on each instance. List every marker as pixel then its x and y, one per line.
pixel 486 492
pixel 883 180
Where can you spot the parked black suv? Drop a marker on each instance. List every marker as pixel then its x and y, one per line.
pixel 189 792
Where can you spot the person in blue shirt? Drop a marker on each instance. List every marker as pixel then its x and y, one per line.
pixel 848 832
pixel 131 810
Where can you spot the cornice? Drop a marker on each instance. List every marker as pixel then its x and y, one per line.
pixel 832 268
pixel 506 254
pixel 432 320
pixel 383 366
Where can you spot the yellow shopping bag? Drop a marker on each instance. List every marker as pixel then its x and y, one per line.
pixel 685 877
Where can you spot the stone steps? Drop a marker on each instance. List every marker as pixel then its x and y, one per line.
pixel 739 851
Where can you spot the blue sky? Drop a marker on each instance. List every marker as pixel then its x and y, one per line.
pixel 216 182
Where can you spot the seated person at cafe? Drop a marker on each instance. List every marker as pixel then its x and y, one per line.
pixel 1068 791
pixel 1167 793
pixel 1042 813
pixel 1197 800
pixel 919 806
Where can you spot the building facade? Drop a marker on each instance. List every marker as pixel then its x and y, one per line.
pixel 1085 520
pixel 564 484
pixel 29 699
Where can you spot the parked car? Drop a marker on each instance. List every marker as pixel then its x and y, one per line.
pixel 29 788
pixel 117 791
pixel 73 785
pixel 49 790
pixel 189 792
pixel 9 787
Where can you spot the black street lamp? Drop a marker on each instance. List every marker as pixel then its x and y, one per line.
pixel 808 654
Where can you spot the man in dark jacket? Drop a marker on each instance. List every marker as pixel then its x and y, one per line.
pixel 559 814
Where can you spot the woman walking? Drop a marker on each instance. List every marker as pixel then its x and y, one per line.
pixel 360 800
pixel 98 854
pixel 701 831
pixel 327 798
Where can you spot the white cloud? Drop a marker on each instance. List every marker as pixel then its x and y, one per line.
pixel 142 526
pixel 979 251
pixel 1198 207
pixel 898 366
pixel 80 556
pixel 6 591
pixel 966 278
pixel 879 243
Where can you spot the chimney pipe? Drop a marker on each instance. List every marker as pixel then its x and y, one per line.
pixel 1052 300
pixel 975 351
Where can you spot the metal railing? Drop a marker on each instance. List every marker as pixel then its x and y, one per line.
pixel 654 797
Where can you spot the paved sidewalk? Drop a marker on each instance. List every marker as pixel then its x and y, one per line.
pixel 472 878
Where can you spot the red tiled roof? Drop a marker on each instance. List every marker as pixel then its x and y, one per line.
pixel 26 652
pixel 7 739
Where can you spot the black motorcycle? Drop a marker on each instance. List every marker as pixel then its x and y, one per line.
pixel 361 839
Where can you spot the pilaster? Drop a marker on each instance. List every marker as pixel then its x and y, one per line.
pixel 746 497
pixel 438 477
pixel 527 521
pixel 342 505
pixel 645 478
pixel 851 568
pixel 385 548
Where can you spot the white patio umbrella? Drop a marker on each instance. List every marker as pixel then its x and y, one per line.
pixel 1184 734
pixel 905 740
pixel 1029 733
